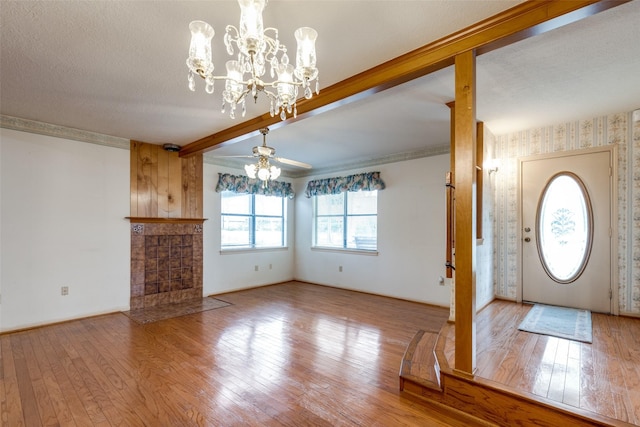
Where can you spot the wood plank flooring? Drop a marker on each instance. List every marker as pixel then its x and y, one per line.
pixel 292 354
pixel 602 377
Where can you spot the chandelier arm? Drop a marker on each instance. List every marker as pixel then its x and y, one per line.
pixel 242 95
pixel 270 94
pixel 275 83
pixel 242 82
pixel 275 30
pixel 273 48
pixel 273 42
pixel 230 27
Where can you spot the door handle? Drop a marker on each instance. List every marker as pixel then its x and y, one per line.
pixel 527 239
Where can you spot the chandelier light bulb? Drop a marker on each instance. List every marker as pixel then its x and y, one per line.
pixel 306 52
pixel 233 84
pixel 286 88
pixel 258 48
pixel 251 27
pixel 200 61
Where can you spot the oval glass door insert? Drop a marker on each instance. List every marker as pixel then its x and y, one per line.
pixel 564 229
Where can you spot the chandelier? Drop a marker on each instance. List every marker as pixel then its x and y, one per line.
pixel 255 49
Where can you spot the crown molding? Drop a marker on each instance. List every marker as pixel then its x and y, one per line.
pixel 392 158
pixel 57 131
pixel 33 126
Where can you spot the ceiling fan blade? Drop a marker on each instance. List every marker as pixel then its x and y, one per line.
pixel 239 155
pixel 292 162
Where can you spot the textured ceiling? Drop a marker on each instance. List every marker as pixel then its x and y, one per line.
pixel 118 68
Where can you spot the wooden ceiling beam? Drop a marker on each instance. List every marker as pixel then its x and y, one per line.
pixel 517 23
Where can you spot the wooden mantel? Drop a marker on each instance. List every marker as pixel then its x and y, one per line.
pixel 147 220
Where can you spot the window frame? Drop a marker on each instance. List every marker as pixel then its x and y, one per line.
pixel 344 216
pixel 252 216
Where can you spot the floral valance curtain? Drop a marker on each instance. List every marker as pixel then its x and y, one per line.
pixel 369 181
pixel 243 184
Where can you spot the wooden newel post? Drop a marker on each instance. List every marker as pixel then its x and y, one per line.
pixel 465 213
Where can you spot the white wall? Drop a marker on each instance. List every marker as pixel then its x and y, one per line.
pixel 236 270
pixel 62 223
pixel 411 236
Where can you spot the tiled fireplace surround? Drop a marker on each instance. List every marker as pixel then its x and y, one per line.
pixel 166 263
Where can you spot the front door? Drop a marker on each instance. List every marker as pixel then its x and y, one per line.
pixel 566 229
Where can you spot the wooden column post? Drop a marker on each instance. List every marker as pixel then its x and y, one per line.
pixel 465 212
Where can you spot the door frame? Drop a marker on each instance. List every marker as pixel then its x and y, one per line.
pixel 613 211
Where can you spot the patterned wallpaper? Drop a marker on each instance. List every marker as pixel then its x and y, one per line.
pixel 485 253
pixel 616 129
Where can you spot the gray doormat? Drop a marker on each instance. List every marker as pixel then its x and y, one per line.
pixel 561 322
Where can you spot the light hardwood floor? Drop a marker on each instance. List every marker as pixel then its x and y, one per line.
pixel 602 377
pixel 292 354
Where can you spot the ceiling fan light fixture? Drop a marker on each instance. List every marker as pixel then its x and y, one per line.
pixel 257 46
pixel 263 169
pixel 251 170
pixel 274 171
pixel 264 174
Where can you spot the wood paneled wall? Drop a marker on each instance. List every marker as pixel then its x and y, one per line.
pixel 164 185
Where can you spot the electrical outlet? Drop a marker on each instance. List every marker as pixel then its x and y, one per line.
pixel 255 268
pixel 64 290
pixel 340 269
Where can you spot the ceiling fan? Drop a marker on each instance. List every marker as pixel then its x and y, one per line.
pixel 263 169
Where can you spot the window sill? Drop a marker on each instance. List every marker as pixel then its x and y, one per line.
pixel 231 251
pixel 343 250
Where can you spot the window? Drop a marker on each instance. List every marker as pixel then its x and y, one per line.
pixel 346 220
pixel 564 232
pixel 252 220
